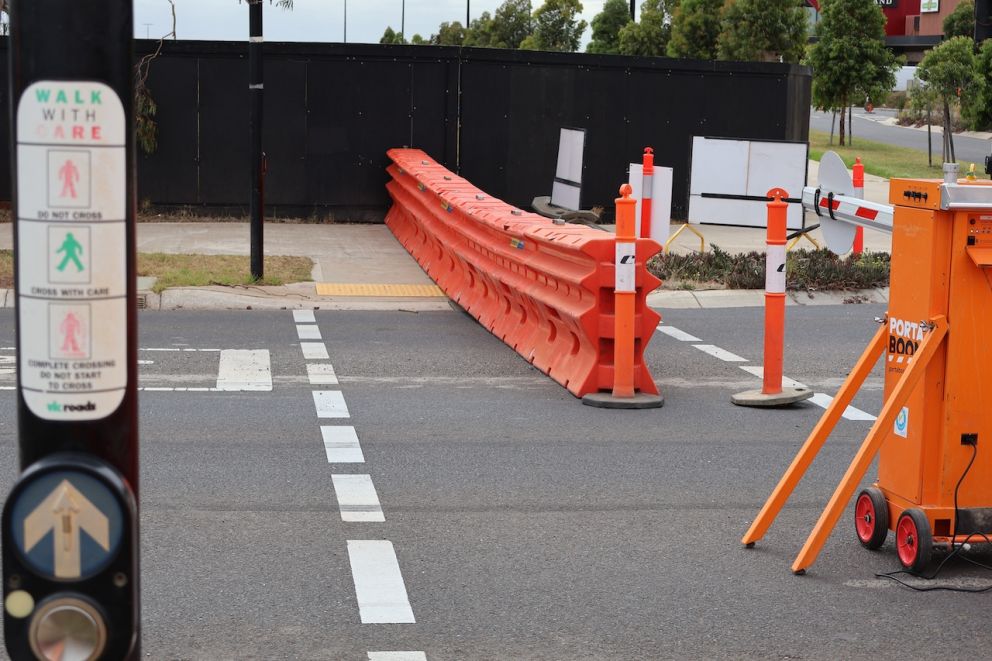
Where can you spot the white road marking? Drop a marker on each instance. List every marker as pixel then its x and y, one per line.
pixel 322 374
pixel 308 332
pixel 722 354
pixel 146 362
pixel 759 371
pixel 397 656
pixel 155 389
pixel 8 388
pixel 357 498
pixel 330 404
pixel 245 370
pixel 8 360
pixel 884 583
pixel 341 445
pixel 675 333
pixel 379 588
pixel 304 317
pixel 851 413
pixel 314 350
pixel 179 349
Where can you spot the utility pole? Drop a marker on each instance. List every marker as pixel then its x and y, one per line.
pixel 345 21
pixel 66 595
pixel 403 20
pixel 468 13
pixel 632 10
pixel 255 95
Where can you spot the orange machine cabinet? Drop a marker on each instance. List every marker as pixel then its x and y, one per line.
pixel 935 462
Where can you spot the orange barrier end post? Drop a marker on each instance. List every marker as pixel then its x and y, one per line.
pixel 772 393
pixel 647 185
pixel 625 300
pixel 858 182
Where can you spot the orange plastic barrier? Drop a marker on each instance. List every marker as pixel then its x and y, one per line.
pixel 544 289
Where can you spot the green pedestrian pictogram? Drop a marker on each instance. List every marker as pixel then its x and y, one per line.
pixel 72 249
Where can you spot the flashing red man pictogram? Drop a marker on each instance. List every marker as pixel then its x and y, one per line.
pixel 71 328
pixel 68 175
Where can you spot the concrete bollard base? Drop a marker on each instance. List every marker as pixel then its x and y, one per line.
pixel 605 400
pixel 784 398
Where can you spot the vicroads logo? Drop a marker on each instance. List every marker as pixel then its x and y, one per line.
pixel 57 407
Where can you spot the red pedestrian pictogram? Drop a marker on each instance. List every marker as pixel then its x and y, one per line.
pixel 71 328
pixel 68 175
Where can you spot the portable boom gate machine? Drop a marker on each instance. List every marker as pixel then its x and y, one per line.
pixel 933 435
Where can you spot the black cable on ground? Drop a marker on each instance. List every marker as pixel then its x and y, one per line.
pixel 956 550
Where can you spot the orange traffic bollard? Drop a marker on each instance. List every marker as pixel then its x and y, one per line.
pixel 625 293
pixel 858 182
pixel 647 185
pixel 772 393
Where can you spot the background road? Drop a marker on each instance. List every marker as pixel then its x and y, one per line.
pixel 868 127
pixel 526 525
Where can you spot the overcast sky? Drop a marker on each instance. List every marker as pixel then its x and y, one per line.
pixel 313 20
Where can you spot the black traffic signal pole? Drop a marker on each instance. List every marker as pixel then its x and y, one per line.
pixel 70 524
pixel 256 92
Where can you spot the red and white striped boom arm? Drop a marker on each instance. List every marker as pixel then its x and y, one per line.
pixel 848 209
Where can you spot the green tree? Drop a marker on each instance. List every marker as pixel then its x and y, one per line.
pixel 695 29
pixel 949 69
pixel 480 32
pixel 649 37
pixel 979 110
pixel 961 21
pixel 849 59
pixel 556 27
pixel 763 30
pixel 418 40
pixel 512 23
pixel 606 26
pixel 390 36
pixel 449 34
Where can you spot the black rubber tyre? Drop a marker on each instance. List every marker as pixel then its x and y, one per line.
pixel 871 518
pixel 914 540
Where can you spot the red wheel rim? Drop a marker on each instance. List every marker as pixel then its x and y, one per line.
pixel 864 517
pixel 907 541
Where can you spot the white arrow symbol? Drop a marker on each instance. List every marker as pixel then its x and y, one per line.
pixel 66 512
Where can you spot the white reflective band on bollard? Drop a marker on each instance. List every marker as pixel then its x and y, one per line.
pixel 626 263
pixel 647 186
pixel 775 270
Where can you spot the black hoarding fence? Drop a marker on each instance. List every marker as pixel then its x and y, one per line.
pixel 333 110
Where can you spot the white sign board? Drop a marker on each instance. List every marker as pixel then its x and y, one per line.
pixel 661 200
pixel 566 191
pixel 71 242
pixel 725 172
pixel 929 6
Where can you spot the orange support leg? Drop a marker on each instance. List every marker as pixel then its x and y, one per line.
pixel 870 446
pixel 816 439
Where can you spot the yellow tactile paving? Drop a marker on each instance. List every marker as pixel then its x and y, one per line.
pixel 344 289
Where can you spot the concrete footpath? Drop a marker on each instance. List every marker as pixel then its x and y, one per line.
pixel 363 267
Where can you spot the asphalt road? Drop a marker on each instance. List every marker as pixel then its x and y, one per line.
pixel 868 127
pixel 525 525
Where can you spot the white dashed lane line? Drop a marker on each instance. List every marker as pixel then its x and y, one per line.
pixel 308 332
pixel 379 587
pixel 314 350
pixel 397 656
pixel 357 499
pixel 722 354
pixel 321 374
pixel 675 333
pixel 330 404
pixel 304 317
pixel 822 400
pixel 341 445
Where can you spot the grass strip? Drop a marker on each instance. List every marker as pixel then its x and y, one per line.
pixel 198 270
pixel 883 160
pixel 806 270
